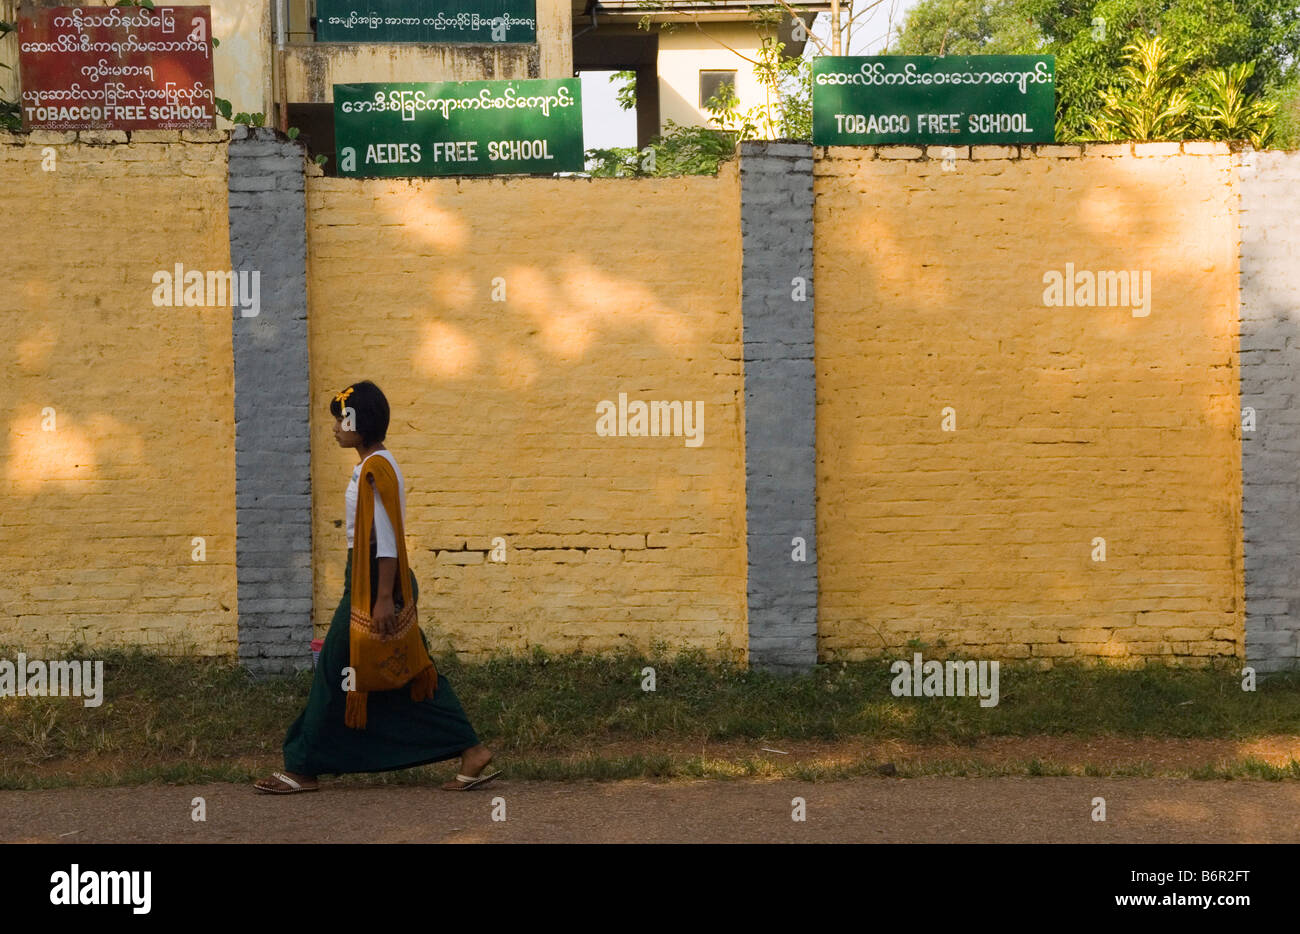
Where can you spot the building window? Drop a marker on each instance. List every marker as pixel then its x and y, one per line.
pixel 711 83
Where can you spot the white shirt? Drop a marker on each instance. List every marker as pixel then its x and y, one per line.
pixel 385 539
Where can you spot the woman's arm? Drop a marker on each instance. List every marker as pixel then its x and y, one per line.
pixel 384 612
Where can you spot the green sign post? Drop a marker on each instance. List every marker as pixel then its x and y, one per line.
pixel 420 21
pixel 459 128
pixel 953 100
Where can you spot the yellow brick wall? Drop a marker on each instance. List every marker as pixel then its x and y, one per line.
pixel 97 516
pixel 611 285
pixel 1072 423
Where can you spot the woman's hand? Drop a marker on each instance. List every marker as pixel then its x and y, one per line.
pixel 384 615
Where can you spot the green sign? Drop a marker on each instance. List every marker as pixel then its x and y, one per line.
pixel 952 100
pixel 420 21
pixel 459 128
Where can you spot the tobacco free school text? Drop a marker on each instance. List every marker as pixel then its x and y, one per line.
pixel 932 123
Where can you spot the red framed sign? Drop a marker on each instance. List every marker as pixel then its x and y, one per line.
pixel 116 68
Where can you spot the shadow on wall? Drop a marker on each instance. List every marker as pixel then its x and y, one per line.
pixel 496 314
pixel 118 440
pixel 1005 471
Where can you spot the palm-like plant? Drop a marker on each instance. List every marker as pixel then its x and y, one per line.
pixel 1225 111
pixel 1151 101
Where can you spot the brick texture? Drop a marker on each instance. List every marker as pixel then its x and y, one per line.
pixel 268 235
pixel 780 401
pixel 609 286
pixel 1072 423
pixel 97 517
pixel 1270 383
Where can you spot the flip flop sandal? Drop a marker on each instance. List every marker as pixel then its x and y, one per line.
pixel 293 789
pixel 470 781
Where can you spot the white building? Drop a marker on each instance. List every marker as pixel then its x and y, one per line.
pixel 678 68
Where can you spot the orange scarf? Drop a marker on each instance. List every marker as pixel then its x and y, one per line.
pixel 383 661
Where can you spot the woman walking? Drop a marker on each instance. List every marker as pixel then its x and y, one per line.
pixel 377 702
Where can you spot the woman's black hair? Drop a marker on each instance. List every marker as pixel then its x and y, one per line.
pixel 371 408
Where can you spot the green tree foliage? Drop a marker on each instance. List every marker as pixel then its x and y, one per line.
pixel 1089 41
pixel 967 27
pixel 1286 124
pixel 626 93
pixel 679 150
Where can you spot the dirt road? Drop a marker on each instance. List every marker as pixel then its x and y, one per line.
pixel 869 810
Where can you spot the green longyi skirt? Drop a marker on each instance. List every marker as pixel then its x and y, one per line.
pixel 400 733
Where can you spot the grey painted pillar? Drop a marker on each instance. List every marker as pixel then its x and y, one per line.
pixel 1270 385
pixel 776 222
pixel 268 235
